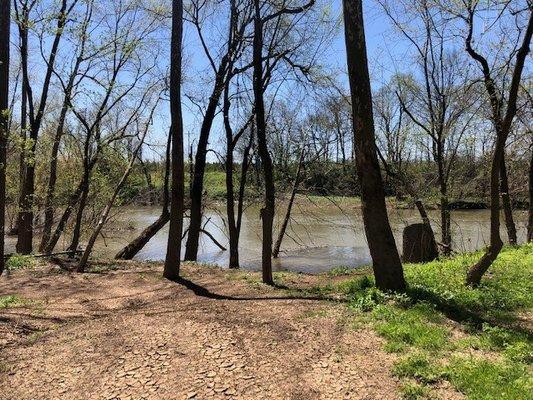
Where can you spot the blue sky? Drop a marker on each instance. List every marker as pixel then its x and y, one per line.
pixel 381 46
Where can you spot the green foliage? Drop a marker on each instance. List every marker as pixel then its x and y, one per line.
pixel 17 261
pixel 11 301
pixel 420 367
pixel 414 391
pixel 414 324
pixel 410 327
pixel 486 379
pixel 507 288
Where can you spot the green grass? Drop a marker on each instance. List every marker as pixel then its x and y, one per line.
pixel 485 379
pixel 414 391
pixel 11 301
pixel 16 262
pixel 416 325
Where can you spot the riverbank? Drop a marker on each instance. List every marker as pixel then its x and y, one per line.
pixel 121 331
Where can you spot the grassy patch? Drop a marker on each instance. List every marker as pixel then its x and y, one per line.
pixel 410 327
pixel 17 261
pixel 506 289
pixel 486 379
pixel 414 391
pixel 420 367
pixel 12 301
pixel 415 325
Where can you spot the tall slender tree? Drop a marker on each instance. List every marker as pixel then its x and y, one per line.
pixel 502 121
pixel 36 116
pixel 172 262
pixel 5 11
pixel 387 265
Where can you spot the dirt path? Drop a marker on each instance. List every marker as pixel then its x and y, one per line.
pixel 132 335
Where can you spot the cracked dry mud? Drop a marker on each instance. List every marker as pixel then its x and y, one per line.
pixel 129 334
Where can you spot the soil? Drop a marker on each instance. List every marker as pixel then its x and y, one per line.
pixel 129 334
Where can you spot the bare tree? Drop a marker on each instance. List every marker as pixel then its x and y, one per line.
pixel 36 114
pixel 5 13
pixel 173 257
pixel 502 118
pixel 68 90
pixel 387 265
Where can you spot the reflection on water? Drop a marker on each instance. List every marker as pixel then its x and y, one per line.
pixel 318 238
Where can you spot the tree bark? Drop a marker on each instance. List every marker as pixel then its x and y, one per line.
pixel 172 261
pixel 387 265
pixel 267 212
pixel 530 221
pixel 197 186
pixel 5 12
pixel 506 204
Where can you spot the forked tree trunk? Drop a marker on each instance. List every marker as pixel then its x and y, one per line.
pixel 387 265
pixel 5 10
pixel 25 221
pixel 287 218
pixel 172 261
pixel 502 127
pixel 50 191
pixel 267 212
pixel 82 203
pixel 506 205
pixel 137 244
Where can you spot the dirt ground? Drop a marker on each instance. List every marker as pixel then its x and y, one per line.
pixel 129 334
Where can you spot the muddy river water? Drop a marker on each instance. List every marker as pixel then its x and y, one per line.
pixel 320 237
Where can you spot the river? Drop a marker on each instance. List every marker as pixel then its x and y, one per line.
pixel 320 236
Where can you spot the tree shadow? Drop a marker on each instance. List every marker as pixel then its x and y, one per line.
pixel 202 291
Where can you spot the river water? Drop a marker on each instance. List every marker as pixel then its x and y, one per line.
pixel 320 236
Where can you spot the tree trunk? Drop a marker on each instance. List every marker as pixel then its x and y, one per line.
pixel 530 222
pixel 172 261
pixel 76 234
pixel 107 209
pixel 5 10
pixel 71 204
pixel 478 270
pixel 387 265
pixel 137 244
pixel 25 228
pixel 502 127
pixel 267 212
pixel 506 204
pixel 197 188
pixel 287 218
pixel 50 191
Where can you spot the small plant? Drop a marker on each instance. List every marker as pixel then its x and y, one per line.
pixel 414 391
pixel 420 367
pixel 11 301
pixel 17 261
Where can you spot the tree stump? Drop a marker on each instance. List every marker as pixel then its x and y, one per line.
pixel 419 244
